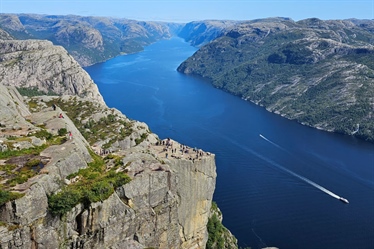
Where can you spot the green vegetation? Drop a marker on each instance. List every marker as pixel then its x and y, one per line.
pixel 33 104
pixel 95 183
pixel 13 175
pixel 20 176
pixel 302 79
pixel 62 132
pixel 110 126
pixel 218 236
pixel 42 134
pixel 116 160
pixel 29 151
pixel 215 230
pixel 34 91
pixel 141 139
pixel 6 196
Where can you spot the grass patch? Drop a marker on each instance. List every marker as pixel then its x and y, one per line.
pixel 42 134
pixel 6 196
pixel 95 183
pixel 33 104
pixel 30 169
pixel 141 139
pixel 110 125
pixel 34 91
pixel 29 151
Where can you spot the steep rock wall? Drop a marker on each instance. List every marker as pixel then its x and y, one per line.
pixel 48 68
pixel 166 205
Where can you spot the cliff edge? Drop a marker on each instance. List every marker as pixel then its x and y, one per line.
pixel 77 174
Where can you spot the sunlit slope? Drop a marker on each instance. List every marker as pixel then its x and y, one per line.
pixel 320 73
pixel 88 39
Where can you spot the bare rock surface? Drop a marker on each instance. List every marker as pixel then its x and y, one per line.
pixel 165 205
pixel 43 66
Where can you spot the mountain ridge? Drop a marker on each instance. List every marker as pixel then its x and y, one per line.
pixel 319 73
pixel 88 39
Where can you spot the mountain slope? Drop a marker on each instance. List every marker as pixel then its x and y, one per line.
pixel 88 39
pixel 199 33
pixel 320 73
pixel 40 65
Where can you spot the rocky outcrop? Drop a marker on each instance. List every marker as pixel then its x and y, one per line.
pixel 43 66
pixel 165 205
pixel 4 35
pixel 12 109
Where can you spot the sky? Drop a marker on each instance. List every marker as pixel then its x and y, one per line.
pixel 196 10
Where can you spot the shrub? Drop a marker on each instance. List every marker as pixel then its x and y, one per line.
pixel 99 191
pixel 43 134
pixel 62 132
pixel 141 139
pixel 32 163
pixel 64 201
pixel 6 196
pixel 215 231
pixel 118 179
pixel 95 184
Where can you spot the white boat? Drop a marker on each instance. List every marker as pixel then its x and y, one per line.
pixel 344 200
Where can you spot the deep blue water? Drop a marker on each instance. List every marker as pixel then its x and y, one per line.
pixel 268 188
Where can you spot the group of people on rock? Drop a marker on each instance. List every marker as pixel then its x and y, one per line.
pixel 183 149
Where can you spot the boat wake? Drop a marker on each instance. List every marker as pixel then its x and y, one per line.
pixel 276 145
pixel 299 176
pixel 310 182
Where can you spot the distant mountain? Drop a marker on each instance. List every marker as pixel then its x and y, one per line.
pixel 88 39
pixel 199 33
pixel 320 73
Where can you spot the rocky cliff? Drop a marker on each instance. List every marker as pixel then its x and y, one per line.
pixel 77 174
pixel 319 73
pixel 43 66
pixel 165 205
pixel 88 39
pixel 199 33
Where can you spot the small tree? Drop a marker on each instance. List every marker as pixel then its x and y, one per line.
pixel 62 132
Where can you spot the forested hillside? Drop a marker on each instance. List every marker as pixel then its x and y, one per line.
pixel 320 73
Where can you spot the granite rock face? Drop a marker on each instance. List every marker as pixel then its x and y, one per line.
pixel 43 66
pixel 166 204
